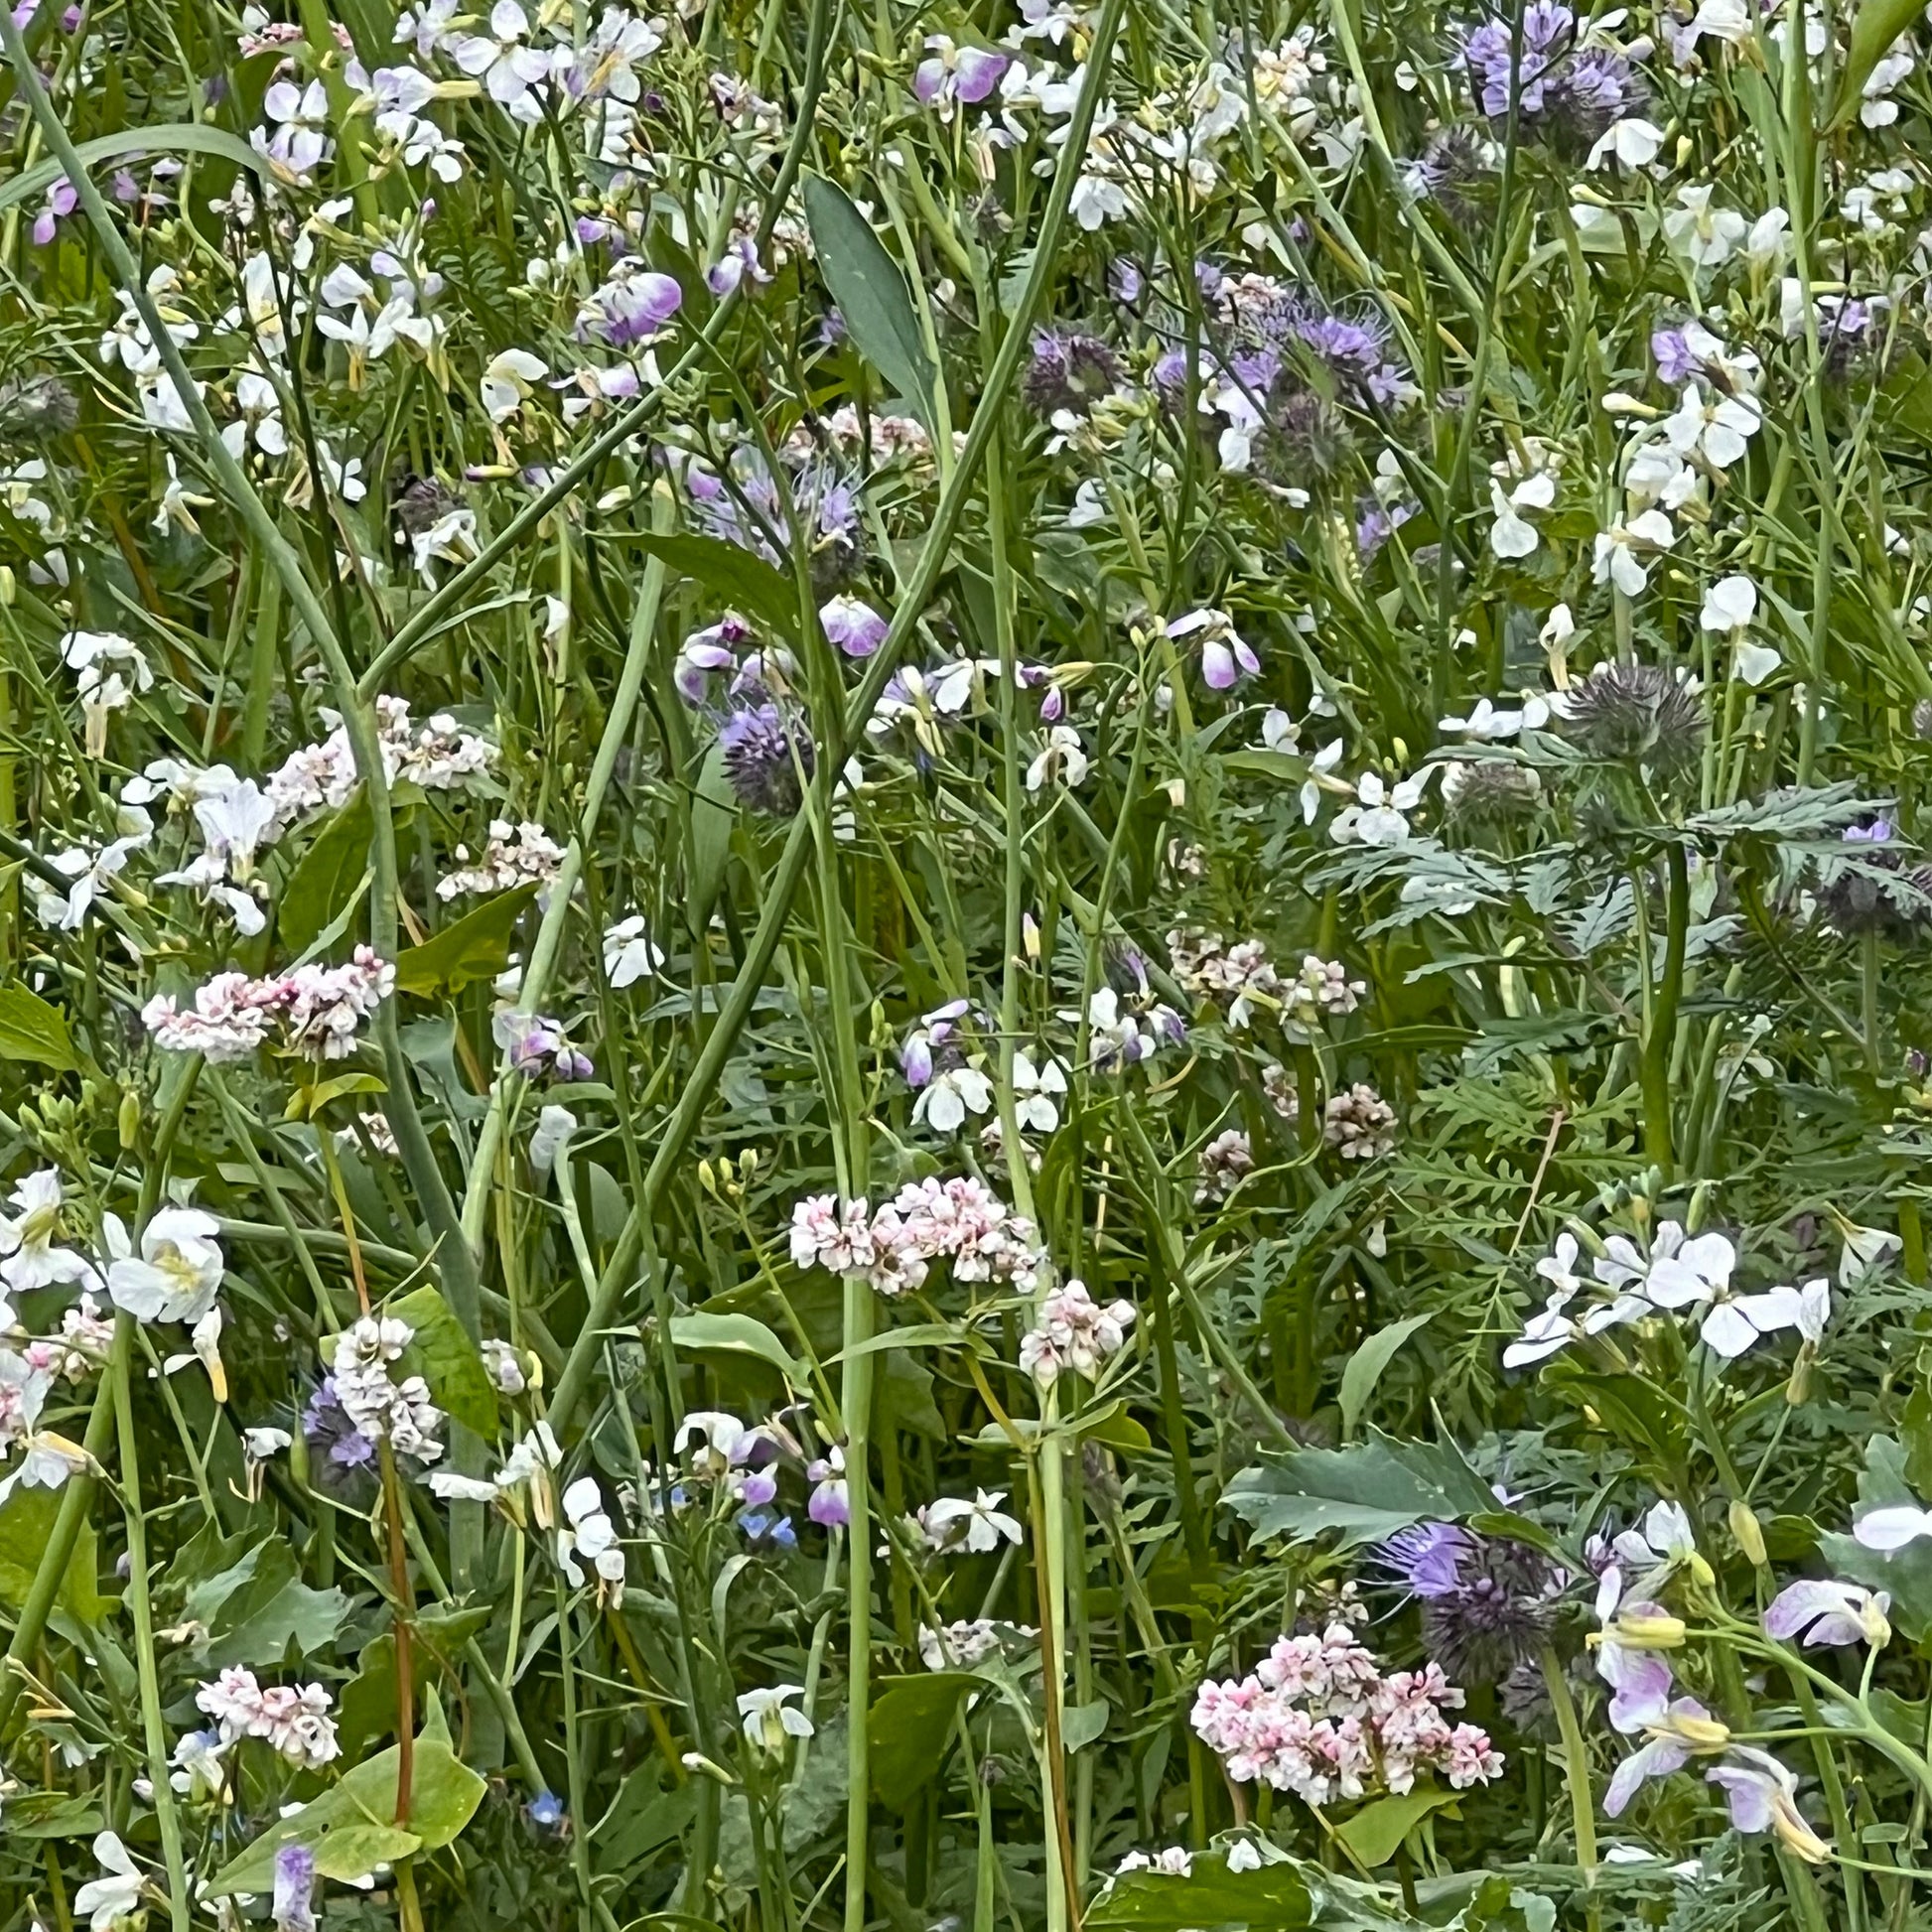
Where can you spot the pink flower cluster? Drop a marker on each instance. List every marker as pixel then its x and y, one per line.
pixel 438 755
pixel 1073 1331
pixel 961 1221
pixel 316 1010
pixel 296 1721
pixel 1318 1719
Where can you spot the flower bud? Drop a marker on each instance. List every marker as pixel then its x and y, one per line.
pixel 1701 1734
pixel 1745 1527
pixel 130 1119
pixel 1650 1631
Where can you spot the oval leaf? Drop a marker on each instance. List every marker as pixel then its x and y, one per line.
pixel 1365 1366
pixel 446 1359
pixel 871 292
pixel 738 1334
pixel 475 947
pixel 739 577
pixel 34 1031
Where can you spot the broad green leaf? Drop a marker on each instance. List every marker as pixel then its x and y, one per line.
pixel 259 1606
pixel 354 1852
pixel 1375 1832
pixel 25 1529
pixel 1081 1723
pixel 1113 1428
pixel 1365 1366
pixel 737 1334
pixel 181 137
pixel 1875 25
pixel 446 1359
pixel 1363 1493
pixel 1274 1896
pixel 910 1729
pixel 714 816
pixel 475 947
pixel 326 877
pixel 741 576
pixel 444 1794
pixel 871 292
pixel 34 1031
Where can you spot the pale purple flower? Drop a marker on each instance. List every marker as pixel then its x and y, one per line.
pixel 949 74
pixel 830 1505
pixel 1224 657
pixel 61 202
pixel 1819 1611
pixel 852 625
pixel 295 1886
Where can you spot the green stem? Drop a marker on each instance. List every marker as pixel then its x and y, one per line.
pixel 153 1725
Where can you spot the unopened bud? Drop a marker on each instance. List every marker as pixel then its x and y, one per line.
pixel 129 1122
pixel 1650 1630
pixel 1749 1533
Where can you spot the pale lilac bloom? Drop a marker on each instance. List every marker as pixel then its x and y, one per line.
pixel 61 200
pixel 830 1505
pixel 1761 1795
pixel 1225 657
pixel 1818 1611
pixel 949 74
pixel 854 625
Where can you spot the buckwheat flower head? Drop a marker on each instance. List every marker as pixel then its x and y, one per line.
pixel 1073 1331
pixel 294 1721
pixel 1358 1123
pixel 378 1405
pixel 1222 1164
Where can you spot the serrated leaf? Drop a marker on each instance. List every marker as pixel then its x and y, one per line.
pixel 741 576
pixel 737 1334
pixel 34 1033
pixel 446 1359
pixel 871 292
pixel 1362 1495
pixel 1365 1366
pixel 475 947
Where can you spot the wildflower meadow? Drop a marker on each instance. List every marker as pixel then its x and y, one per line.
pixel 965 967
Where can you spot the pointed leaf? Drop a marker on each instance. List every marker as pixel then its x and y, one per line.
pixel 475 947
pixel 871 292
pixel 739 577
pixel 34 1031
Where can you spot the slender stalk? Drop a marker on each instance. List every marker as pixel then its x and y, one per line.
pixel 153 1725
pixel 782 886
